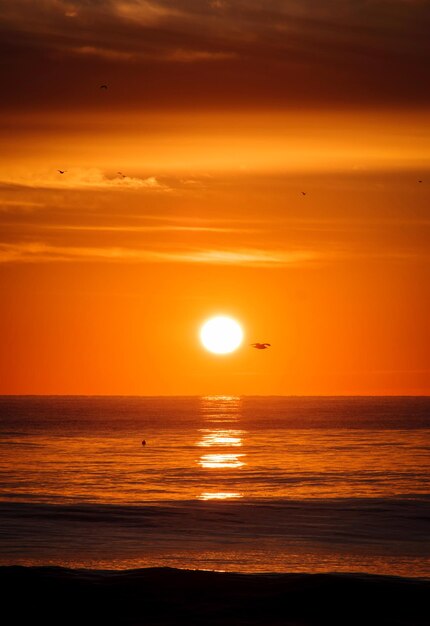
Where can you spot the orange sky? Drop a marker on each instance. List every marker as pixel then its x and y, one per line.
pixel 218 115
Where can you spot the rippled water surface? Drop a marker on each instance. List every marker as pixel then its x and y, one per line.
pixel 249 484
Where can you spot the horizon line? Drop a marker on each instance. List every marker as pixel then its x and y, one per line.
pixel 216 395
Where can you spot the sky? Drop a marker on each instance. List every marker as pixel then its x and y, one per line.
pixel 260 159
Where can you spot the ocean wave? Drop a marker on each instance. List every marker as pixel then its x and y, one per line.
pixel 168 596
pixel 392 523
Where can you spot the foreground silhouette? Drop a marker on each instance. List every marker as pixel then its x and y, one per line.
pixel 171 597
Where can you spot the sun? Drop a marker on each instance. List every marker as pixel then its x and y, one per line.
pixel 221 334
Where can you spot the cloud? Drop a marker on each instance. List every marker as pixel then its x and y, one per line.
pixel 39 252
pixel 104 53
pixel 266 51
pixel 178 56
pixel 48 12
pixel 245 258
pixel 191 56
pixel 142 11
pixel 149 228
pixel 21 206
pixel 80 178
pixel 218 4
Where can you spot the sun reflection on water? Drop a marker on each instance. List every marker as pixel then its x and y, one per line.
pixel 221 460
pixel 220 413
pixel 219 495
pixel 220 438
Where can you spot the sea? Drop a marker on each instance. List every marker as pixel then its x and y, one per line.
pixel 244 484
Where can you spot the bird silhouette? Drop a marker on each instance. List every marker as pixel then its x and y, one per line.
pixel 103 86
pixel 303 193
pixel 260 346
pixel 61 171
pixel 420 181
pixel 121 174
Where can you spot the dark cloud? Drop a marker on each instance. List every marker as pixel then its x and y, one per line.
pixel 194 53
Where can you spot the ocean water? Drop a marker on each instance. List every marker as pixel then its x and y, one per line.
pixel 253 484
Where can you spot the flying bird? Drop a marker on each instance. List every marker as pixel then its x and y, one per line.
pixel 260 346
pixel 420 181
pixel 61 171
pixel 103 86
pixel 121 174
pixel 303 193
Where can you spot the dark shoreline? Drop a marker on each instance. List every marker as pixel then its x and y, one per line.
pixel 167 596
